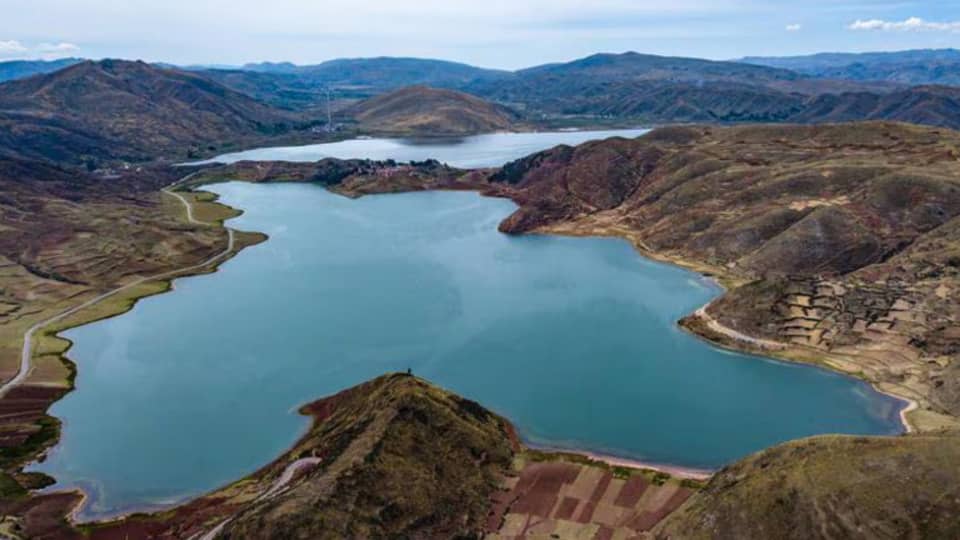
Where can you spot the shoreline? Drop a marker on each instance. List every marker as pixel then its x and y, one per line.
pixel 770 348
pixel 60 323
pixel 675 471
pixel 766 348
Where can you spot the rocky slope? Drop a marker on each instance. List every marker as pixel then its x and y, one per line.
pixel 425 111
pixel 831 487
pixel 119 110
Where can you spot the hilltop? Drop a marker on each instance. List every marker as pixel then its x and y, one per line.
pixel 421 110
pixel 120 110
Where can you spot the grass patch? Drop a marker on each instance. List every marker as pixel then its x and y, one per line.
pixel 34 445
pixel 9 487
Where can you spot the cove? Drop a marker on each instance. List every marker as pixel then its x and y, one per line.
pixel 573 339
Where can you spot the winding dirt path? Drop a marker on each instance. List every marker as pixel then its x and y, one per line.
pixel 26 353
pixel 715 325
pixel 281 482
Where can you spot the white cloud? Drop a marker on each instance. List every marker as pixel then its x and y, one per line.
pixel 15 50
pixel 913 24
pixel 11 48
pixel 57 48
pixel 794 27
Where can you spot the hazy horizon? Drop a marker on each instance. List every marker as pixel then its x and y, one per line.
pixel 499 34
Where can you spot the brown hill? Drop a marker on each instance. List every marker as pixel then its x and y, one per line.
pixel 116 109
pixel 832 487
pixel 392 458
pixel 421 110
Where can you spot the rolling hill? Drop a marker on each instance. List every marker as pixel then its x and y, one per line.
pixel 120 110
pixel 424 111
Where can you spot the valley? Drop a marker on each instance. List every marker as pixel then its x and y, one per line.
pixel 836 245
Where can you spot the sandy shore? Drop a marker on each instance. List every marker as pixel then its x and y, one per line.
pixel 676 471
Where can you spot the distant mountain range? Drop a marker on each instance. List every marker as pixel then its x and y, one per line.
pixel 602 87
pixel 297 87
pixel 18 69
pixel 923 66
pixel 133 111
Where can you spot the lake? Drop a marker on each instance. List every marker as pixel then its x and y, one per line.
pixel 574 339
pixel 474 152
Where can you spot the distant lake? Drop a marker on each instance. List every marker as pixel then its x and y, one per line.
pixel 573 339
pixel 474 152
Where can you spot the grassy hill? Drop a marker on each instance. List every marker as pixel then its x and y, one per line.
pixel 831 487
pixel 420 110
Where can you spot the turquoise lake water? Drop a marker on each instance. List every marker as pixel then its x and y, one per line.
pixel 574 339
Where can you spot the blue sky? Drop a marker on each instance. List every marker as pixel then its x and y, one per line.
pixel 492 33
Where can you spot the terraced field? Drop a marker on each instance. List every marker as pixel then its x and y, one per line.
pixel 582 500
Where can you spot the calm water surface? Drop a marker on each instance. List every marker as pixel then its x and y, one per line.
pixel 574 339
pixel 469 152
